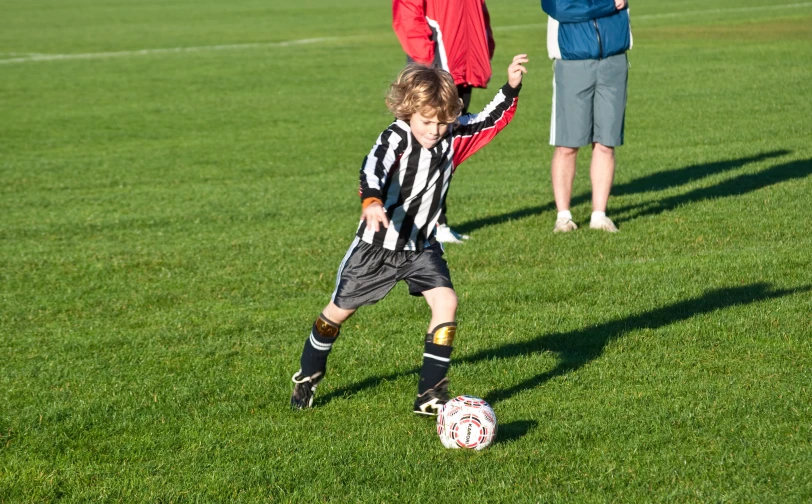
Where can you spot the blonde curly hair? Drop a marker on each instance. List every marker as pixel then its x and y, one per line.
pixel 424 90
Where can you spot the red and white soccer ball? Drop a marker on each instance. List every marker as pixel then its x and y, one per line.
pixel 466 422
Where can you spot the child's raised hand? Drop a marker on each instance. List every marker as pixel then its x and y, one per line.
pixel 516 70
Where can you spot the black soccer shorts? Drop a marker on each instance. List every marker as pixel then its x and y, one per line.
pixel 369 272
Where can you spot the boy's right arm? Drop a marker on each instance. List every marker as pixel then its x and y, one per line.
pixel 377 167
pixel 374 214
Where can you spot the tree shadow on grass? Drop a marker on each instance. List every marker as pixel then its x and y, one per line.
pixel 736 186
pixel 658 181
pixel 579 347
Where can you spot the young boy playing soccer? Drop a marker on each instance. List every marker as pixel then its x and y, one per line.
pixel 404 182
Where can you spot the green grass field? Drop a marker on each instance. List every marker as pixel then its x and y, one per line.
pixel 180 184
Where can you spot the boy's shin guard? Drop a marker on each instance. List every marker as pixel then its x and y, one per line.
pixel 318 345
pixel 437 355
pixel 443 334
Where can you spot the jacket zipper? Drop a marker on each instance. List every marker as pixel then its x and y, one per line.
pixel 600 44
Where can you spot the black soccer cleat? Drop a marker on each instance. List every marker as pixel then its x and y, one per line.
pixel 304 389
pixel 431 401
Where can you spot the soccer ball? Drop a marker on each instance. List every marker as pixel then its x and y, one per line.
pixel 466 422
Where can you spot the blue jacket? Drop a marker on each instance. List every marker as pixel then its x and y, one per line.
pixel 586 29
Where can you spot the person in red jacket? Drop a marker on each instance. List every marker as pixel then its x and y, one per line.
pixel 455 36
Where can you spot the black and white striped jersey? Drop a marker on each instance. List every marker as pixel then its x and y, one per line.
pixel 412 181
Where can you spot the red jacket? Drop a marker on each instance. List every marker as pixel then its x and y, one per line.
pixel 452 34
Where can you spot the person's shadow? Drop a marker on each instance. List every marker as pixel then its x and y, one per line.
pixel 664 180
pixel 575 349
pixel 736 186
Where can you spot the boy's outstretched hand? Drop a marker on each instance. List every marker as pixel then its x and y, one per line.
pixel 516 70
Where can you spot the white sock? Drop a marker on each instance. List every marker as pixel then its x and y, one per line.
pixel 597 215
pixel 564 214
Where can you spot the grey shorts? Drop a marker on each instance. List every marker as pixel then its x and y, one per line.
pixel 589 102
pixel 369 272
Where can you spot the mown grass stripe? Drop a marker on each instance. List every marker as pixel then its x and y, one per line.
pixel 265 45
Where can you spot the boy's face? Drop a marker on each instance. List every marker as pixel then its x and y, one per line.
pixel 427 130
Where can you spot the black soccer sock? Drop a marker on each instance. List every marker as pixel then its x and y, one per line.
pixel 318 346
pixel 437 356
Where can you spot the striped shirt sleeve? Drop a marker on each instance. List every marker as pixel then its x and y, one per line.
pixel 381 161
pixel 476 130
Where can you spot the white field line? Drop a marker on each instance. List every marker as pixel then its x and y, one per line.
pixel 146 52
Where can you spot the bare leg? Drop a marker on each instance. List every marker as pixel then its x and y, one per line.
pixel 443 304
pixel 563 175
pixel 602 173
pixel 335 314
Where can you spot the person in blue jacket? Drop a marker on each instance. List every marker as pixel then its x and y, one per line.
pixel 588 40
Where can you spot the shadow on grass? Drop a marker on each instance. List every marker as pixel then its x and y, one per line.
pixel 662 181
pixel 736 186
pixel 658 181
pixel 512 431
pixel 577 348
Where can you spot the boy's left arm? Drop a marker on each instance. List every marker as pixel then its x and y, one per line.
pixel 476 130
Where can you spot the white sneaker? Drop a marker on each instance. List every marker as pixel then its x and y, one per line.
pixel 564 225
pixel 604 224
pixel 447 235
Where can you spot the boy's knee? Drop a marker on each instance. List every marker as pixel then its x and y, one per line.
pixel 452 304
pixel 335 314
pixel 449 301
pixel 443 299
